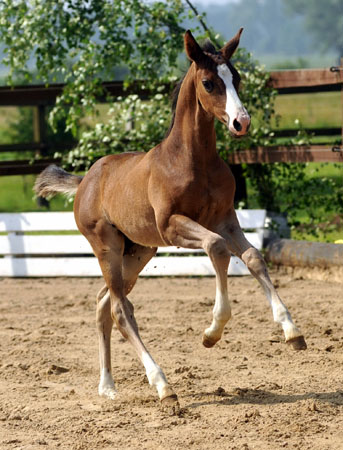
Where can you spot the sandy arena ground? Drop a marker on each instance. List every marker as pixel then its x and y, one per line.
pixel 251 391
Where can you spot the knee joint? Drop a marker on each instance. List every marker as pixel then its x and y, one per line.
pixel 216 246
pixel 253 259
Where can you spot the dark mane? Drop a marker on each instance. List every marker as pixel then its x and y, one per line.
pixel 207 47
pixel 174 97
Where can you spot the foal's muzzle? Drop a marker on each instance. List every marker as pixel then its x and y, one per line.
pixel 239 125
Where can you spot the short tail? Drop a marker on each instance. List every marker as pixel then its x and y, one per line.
pixel 54 180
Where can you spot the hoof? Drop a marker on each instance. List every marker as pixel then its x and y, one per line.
pixel 298 343
pixel 170 405
pixel 207 342
pixel 108 392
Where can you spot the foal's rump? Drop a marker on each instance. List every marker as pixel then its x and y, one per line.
pixel 55 180
pixel 114 190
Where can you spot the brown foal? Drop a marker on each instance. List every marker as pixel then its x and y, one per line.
pixel 179 193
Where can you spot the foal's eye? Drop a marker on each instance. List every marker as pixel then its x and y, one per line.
pixel 208 85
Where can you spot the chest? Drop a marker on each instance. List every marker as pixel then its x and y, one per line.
pixel 202 195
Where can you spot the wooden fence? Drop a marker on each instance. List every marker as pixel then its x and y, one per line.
pixel 286 82
pixel 41 254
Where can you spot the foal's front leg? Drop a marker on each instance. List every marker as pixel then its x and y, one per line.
pixel 184 232
pixel 241 247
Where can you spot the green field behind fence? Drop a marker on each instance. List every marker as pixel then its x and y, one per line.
pixel 315 110
pixel 16 195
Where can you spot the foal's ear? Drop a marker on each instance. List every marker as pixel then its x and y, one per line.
pixel 193 49
pixel 229 49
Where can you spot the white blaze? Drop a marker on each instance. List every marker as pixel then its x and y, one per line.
pixel 233 103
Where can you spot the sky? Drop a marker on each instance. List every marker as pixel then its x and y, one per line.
pixel 213 2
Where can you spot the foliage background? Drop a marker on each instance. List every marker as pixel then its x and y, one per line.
pixel 86 43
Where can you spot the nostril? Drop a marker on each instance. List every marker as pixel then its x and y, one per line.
pixel 237 125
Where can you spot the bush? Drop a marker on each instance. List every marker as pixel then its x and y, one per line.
pixel 84 43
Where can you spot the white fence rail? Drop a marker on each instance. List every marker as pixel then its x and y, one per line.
pixel 43 255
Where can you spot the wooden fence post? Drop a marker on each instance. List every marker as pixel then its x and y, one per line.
pixel 39 129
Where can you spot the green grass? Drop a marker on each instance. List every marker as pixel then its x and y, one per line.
pixel 329 219
pixel 324 232
pixel 331 236
pixel 327 170
pixel 7 116
pixel 319 110
pixel 17 196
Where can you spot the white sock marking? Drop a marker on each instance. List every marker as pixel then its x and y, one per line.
pixel 154 373
pixel 106 385
pixel 221 314
pixel 282 316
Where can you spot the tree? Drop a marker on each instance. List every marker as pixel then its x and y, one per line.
pixel 82 43
pixel 323 19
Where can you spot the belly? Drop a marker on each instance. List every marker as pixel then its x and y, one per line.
pixel 136 220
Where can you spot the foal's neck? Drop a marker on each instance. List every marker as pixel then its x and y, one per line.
pixel 193 135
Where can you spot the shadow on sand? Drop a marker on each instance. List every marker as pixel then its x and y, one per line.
pixel 261 397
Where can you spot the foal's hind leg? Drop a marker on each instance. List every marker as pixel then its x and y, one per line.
pixel 108 245
pixel 133 263
pixel 239 245
pixel 104 323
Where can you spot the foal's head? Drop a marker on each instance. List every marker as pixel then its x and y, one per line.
pixel 217 83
